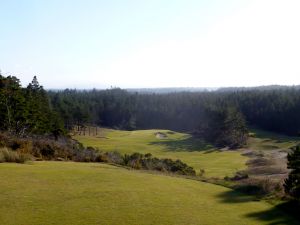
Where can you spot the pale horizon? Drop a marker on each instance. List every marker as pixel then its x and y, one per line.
pixel 157 44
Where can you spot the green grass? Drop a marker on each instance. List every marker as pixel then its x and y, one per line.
pixel 182 146
pixel 92 194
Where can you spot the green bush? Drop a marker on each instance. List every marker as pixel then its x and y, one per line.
pixel 140 161
pixel 45 148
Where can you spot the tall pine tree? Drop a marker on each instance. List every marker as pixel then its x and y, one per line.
pixel 292 183
pixel 38 107
pixel 12 105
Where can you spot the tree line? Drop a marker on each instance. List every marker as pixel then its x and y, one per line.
pixel 220 116
pixel 274 109
pixel 27 110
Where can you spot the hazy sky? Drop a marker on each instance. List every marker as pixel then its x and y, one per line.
pixel 153 43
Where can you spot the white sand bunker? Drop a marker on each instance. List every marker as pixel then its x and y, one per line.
pixel 161 135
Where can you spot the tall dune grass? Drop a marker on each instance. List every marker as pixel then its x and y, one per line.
pixel 7 155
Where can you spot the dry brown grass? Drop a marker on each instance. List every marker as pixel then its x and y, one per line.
pixel 7 155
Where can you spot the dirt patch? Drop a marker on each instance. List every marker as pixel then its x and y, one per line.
pixel 266 172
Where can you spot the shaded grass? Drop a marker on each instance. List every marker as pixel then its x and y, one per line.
pixel 194 152
pixel 88 193
pixel 188 144
pixel 269 216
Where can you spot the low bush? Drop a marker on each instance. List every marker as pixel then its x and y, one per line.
pixel 140 161
pixel 260 187
pixel 202 172
pixel 114 157
pixel 240 175
pixel 45 148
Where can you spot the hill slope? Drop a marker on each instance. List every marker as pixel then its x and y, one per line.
pixel 192 151
pixel 87 193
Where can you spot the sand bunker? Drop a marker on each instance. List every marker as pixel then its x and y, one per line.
pixel 161 135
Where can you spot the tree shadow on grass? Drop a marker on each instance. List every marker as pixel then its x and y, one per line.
pixel 285 213
pixel 233 196
pixel 275 137
pixel 190 144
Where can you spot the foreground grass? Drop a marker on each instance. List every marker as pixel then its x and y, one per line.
pixel 182 146
pixel 87 193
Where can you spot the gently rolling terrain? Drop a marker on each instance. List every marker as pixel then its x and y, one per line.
pixel 93 193
pixel 169 144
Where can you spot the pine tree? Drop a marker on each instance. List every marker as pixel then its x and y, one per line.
pixel 12 105
pixel 292 183
pixel 234 131
pixel 38 107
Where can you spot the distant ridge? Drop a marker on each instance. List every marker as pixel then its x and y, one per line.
pixel 259 88
pixel 167 90
pixel 208 89
pixel 170 90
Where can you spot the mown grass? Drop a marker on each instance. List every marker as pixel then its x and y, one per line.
pixel 192 151
pixel 87 193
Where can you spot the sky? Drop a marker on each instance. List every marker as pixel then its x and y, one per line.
pixel 157 43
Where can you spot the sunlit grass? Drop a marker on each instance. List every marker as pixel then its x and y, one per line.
pixel 192 151
pixel 92 194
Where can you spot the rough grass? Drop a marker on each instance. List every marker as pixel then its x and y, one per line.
pixel 268 152
pixel 7 155
pixel 87 193
pixel 265 140
pixel 194 152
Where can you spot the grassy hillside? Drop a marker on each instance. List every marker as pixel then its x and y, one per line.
pixel 87 193
pixel 175 145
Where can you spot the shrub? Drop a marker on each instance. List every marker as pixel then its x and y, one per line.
pixel 260 186
pixel 2 158
pixel 240 175
pixel 114 157
pixel 202 172
pixel 47 151
pixel 140 161
pixel 87 155
pixel 41 147
pixel 7 155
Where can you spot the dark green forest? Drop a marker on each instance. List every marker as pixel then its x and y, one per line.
pixel 275 109
pixel 220 116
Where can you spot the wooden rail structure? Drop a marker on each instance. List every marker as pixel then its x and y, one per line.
pixel 86 130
